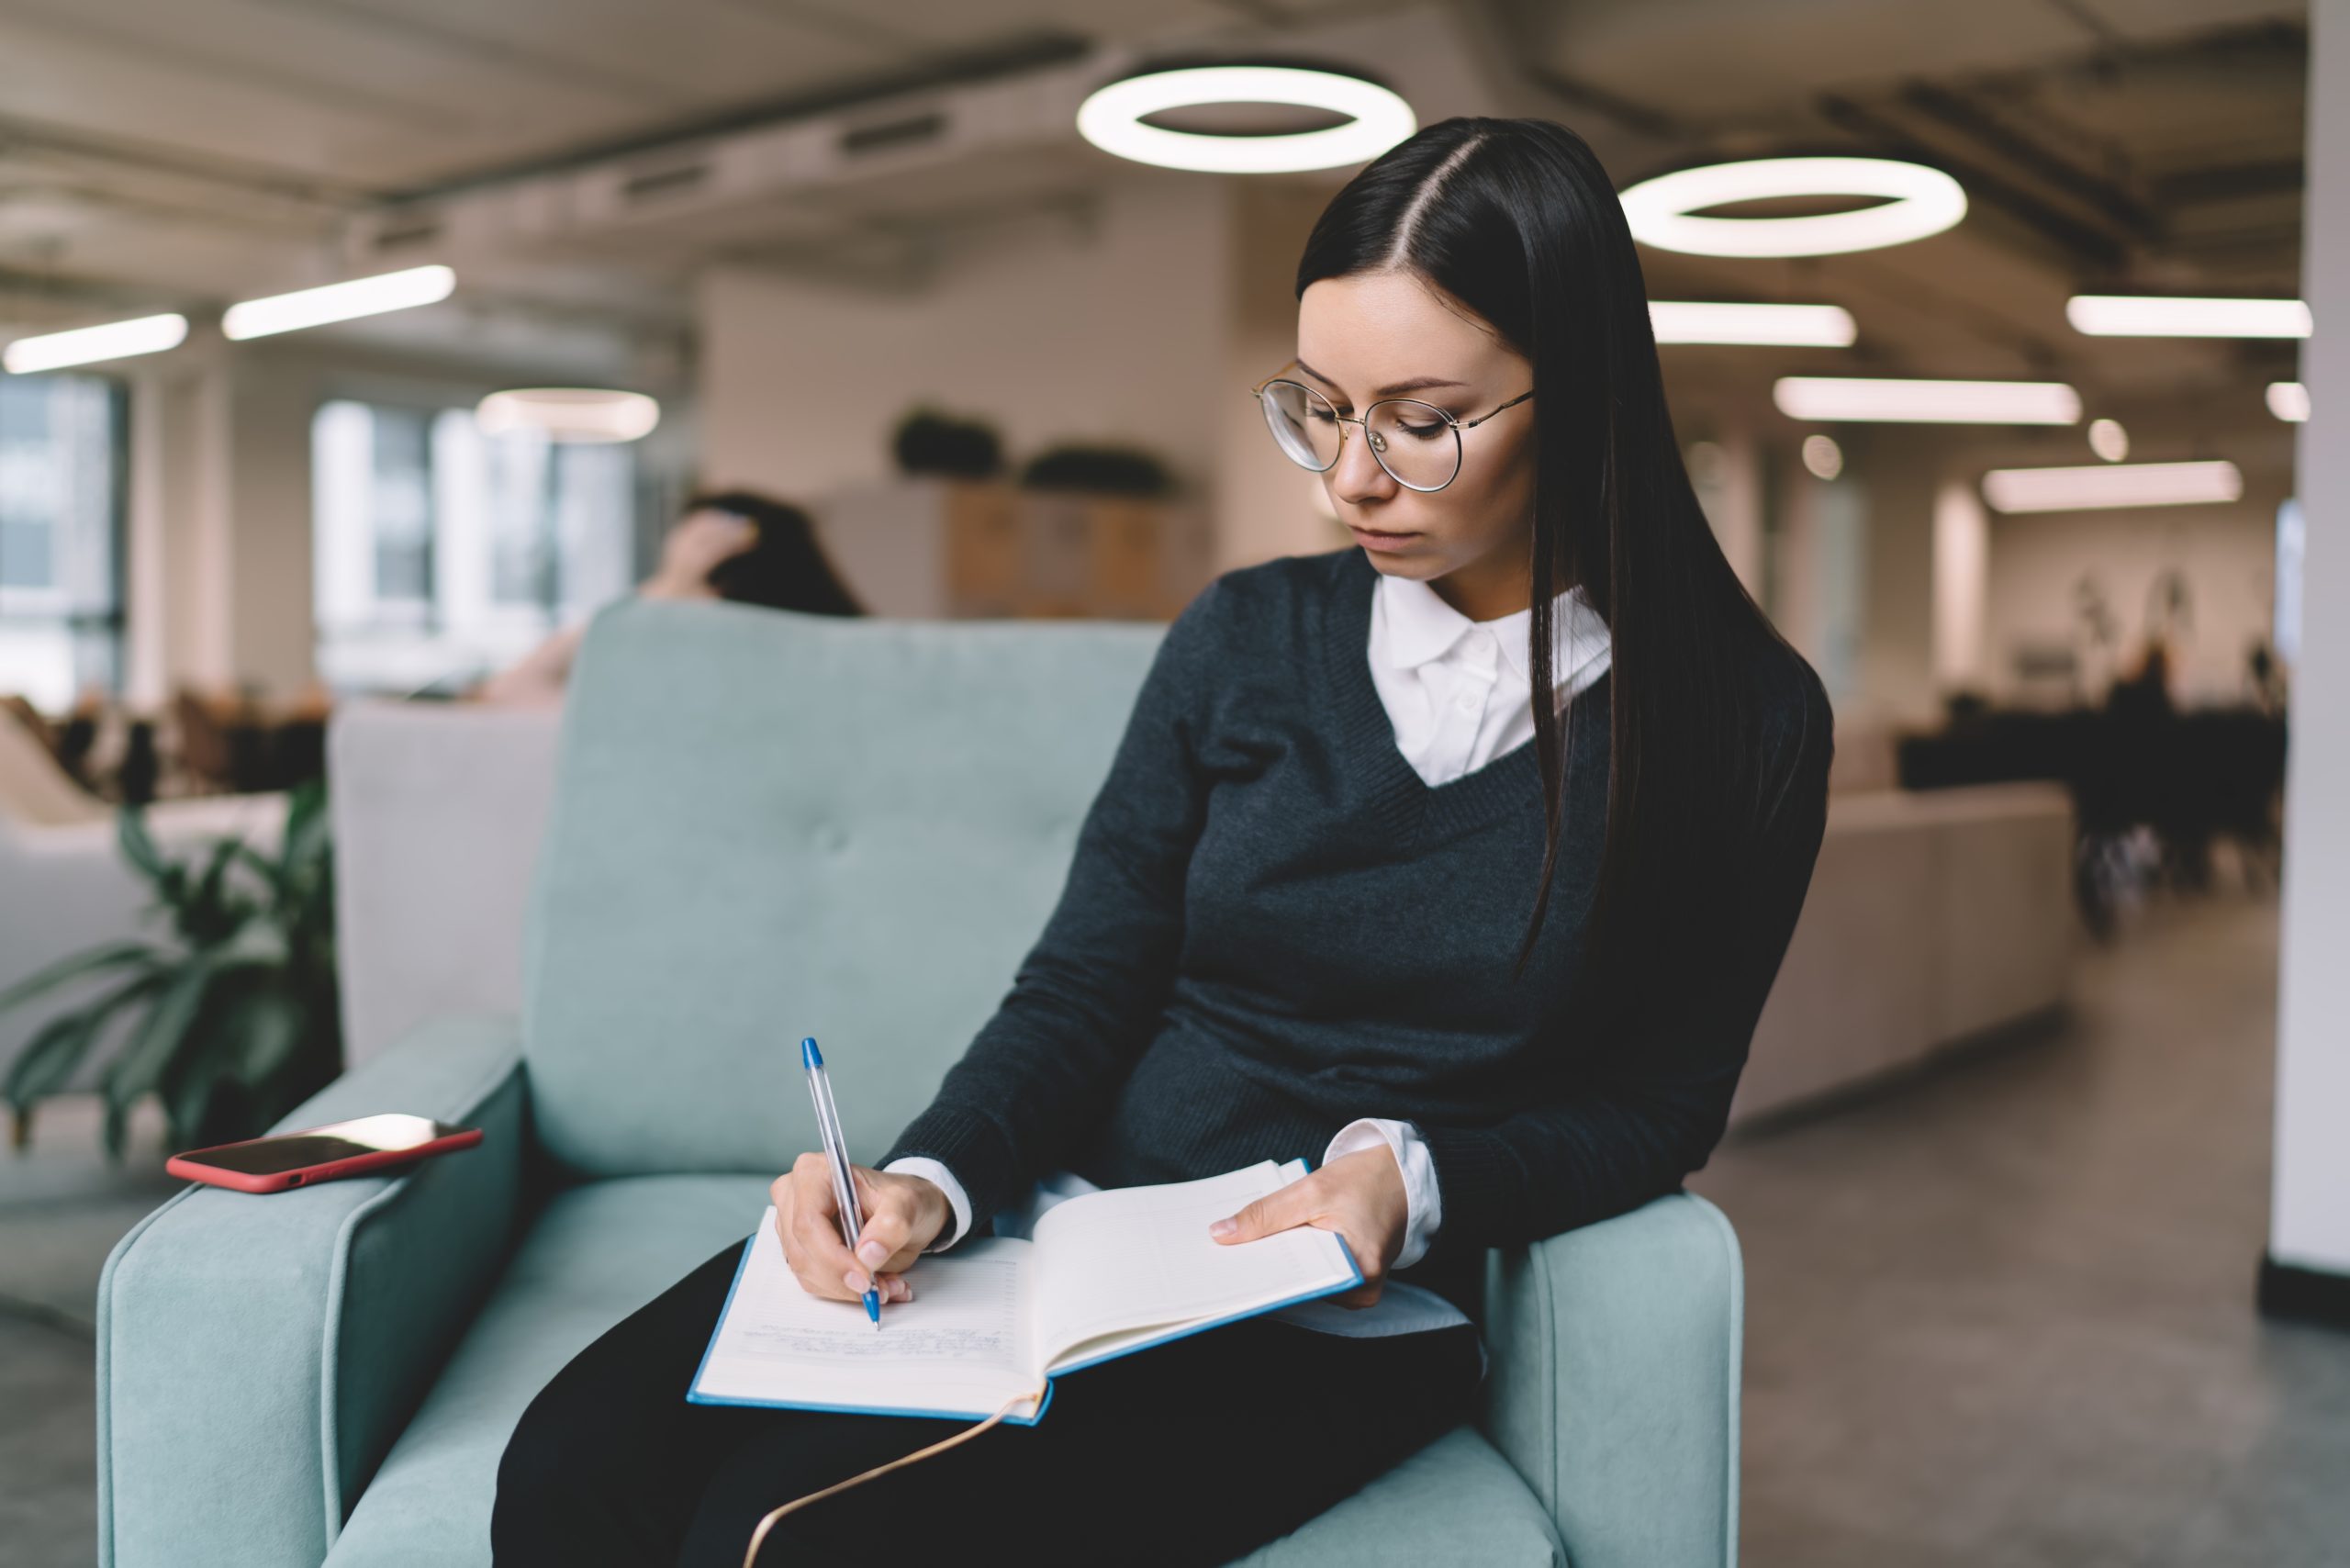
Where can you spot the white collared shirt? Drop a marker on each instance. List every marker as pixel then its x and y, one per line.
pixel 1458 694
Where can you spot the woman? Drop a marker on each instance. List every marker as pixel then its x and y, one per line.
pixel 735 544
pixel 1348 886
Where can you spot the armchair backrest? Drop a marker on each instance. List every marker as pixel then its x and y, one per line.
pixel 769 825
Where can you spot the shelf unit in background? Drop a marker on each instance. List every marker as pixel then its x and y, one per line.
pixel 954 549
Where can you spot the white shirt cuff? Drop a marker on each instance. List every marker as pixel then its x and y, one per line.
pixel 938 1176
pixel 1423 1204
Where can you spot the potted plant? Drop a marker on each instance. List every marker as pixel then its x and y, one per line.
pixel 928 440
pixel 1100 470
pixel 233 1015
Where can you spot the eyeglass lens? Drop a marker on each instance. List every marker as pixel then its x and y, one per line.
pixel 1413 441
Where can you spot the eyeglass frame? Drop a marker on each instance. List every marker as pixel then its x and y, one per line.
pixel 1459 448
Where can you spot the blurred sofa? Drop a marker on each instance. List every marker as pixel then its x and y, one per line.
pixel 64 887
pixel 437 809
pixel 1934 917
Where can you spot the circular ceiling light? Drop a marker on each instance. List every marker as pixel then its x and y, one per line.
pixel 568 413
pixel 1920 201
pixel 1111 118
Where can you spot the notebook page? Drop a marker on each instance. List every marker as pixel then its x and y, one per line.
pixel 959 1347
pixel 1140 1258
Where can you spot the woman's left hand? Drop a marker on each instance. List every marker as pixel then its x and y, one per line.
pixel 1359 1195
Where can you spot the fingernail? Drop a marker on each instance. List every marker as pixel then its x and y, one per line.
pixel 853 1283
pixel 871 1254
pixel 1222 1227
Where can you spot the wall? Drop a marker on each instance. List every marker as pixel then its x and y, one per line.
pixel 2309 1222
pixel 1265 505
pixel 2228 553
pixel 1110 329
pixel 1902 467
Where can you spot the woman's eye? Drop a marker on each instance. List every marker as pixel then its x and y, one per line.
pixel 1424 432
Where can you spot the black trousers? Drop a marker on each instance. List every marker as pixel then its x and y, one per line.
pixel 1195 1451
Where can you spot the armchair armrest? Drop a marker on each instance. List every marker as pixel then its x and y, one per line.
pixel 256 1355
pixel 1614 1386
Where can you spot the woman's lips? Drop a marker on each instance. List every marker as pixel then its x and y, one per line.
pixel 1372 539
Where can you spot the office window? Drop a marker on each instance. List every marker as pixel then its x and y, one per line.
pixel 61 528
pixel 443 553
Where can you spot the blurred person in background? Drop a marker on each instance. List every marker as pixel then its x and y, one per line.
pixel 731 544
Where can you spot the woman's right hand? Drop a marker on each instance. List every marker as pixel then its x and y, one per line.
pixel 902 1215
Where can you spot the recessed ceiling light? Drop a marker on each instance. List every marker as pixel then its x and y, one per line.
pixel 1111 118
pixel 2289 401
pixel 2133 315
pixel 87 345
pixel 2111 485
pixel 338 302
pixel 1706 321
pixel 1921 201
pixel 569 414
pixel 1832 397
pixel 2108 440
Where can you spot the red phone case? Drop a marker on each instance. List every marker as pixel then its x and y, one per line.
pixel 183 1165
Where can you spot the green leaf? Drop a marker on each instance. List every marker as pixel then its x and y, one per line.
pixel 161 1033
pixel 45 1063
pixel 276 1027
pixel 216 870
pixel 307 827
pixel 263 867
pixel 139 844
pixel 249 1030
pixel 95 961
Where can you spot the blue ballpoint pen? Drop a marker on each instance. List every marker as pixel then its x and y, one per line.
pixel 828 1123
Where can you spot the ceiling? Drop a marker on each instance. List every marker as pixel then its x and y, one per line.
pixel 181 154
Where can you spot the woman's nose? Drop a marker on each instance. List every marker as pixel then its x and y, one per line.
pixel 1356 475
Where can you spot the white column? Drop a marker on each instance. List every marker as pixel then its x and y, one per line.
pixel 1961 570
pixel 2310 1223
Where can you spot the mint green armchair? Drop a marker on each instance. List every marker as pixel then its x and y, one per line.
pixel 769 825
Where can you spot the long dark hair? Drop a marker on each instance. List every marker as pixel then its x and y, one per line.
pixel 1517 220
pixel 787 569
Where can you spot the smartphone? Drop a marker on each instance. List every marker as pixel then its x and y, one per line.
pixel 301 1159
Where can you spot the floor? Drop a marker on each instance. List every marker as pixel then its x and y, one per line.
pixel 61 1208
pixel 1999 1314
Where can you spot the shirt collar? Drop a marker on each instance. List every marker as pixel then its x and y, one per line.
pixel 1421 627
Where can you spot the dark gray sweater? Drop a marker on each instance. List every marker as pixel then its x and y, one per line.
pixel 1273 926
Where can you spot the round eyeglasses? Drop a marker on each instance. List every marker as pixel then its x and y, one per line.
pixel 1417 443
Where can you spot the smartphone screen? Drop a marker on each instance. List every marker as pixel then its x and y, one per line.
pixel 317 1146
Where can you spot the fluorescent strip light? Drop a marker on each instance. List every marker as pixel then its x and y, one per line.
pixel 578 414
pixel 87 345
pixel 1830 398
pixel 1111 118
pixel 2289 401
pixel 2131 315
pixel 1702 321
pixel 2111 485
pixel 1921 201
pixel 338 302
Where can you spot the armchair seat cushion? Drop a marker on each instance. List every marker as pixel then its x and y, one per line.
pixel 596 1253
pixel 600 1250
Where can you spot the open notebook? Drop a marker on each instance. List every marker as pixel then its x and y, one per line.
pixel 1105 1275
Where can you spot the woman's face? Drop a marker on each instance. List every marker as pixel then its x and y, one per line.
pixel 1372 335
